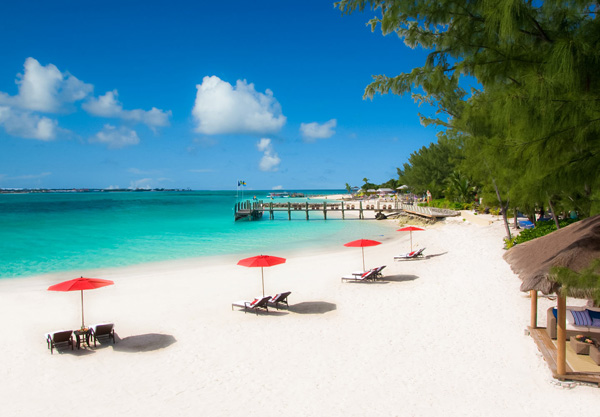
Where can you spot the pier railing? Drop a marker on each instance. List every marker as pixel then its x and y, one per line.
pixel 251 210
pixel 255 209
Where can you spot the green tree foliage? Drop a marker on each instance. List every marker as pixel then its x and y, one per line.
pixel 584 284
pixel 368 185
pixel 459 188
pixel 530 129
pixel 429 167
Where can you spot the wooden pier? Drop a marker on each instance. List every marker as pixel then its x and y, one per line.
pixel 254 210
pixel 248 210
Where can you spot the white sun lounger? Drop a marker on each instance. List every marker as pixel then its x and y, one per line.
pixel 409 256
pixel 366 276
pixel 257 304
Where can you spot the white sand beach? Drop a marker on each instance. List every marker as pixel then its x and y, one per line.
pixel 440 336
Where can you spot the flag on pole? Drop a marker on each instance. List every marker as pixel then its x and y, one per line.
pixel 241 183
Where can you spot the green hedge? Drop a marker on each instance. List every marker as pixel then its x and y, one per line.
pixel 447 204
pixel 541 229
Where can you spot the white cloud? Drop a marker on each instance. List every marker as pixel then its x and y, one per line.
pixel 278 187
pixel 27 125
pixel 264 145
pixel 313 131
pixel 222 108
pixel 108 105
pixel 142 183
pixel 270 160
pixel 45 89
pixel 116 138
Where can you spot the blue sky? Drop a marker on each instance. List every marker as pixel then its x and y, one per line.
pixel 199 94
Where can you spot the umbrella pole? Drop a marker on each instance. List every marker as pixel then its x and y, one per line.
pixel 82 325
pixel 262 274
pixel 363 254
pixel 411 240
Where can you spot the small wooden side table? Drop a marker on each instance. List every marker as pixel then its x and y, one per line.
pixel 81 336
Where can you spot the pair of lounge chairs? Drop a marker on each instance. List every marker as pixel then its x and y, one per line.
pixel 410 256
pixel 64 338
pixel 364 276
pixel 263 303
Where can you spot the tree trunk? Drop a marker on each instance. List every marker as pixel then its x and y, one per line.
pixel 553 214
pixel 504 209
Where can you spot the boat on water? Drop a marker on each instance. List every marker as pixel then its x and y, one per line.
pixel 284 194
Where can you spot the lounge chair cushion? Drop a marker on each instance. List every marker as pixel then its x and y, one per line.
pixel 94 327
pixel 582 318
pixel 569 316
pixel 594 314
pixel 595 322
pixel 254 302
pixel 51 335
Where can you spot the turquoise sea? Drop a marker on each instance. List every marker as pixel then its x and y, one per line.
pixel 50 232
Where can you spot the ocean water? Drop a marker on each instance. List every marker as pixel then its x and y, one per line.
pixel 51 232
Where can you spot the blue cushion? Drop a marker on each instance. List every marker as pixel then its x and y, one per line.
pixel 594 314
pixel 595 322
pixel 582 318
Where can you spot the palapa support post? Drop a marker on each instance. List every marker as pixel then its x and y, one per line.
pixel 561 335
pixel 306 210
pixel 534 306
pixel 289 211
pixel 325 210
pixel 272 214
pixel 343 218
pixel 360 214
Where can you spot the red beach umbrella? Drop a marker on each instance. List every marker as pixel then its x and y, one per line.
pixel 261 261
pixel 410 229
pixel 80 284
pixel 362 243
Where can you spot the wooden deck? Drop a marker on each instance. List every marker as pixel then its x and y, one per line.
pixel 549 352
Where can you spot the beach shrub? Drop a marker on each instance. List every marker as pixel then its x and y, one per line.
pixel 542 228
pixel 509 243
pixel 447 204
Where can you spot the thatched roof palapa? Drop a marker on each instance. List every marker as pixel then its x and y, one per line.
pixel 574 247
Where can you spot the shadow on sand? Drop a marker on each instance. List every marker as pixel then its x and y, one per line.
pixel 143 342
pixel 84 351
pixel 312 307
pixel 434 255
pixel 399 278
